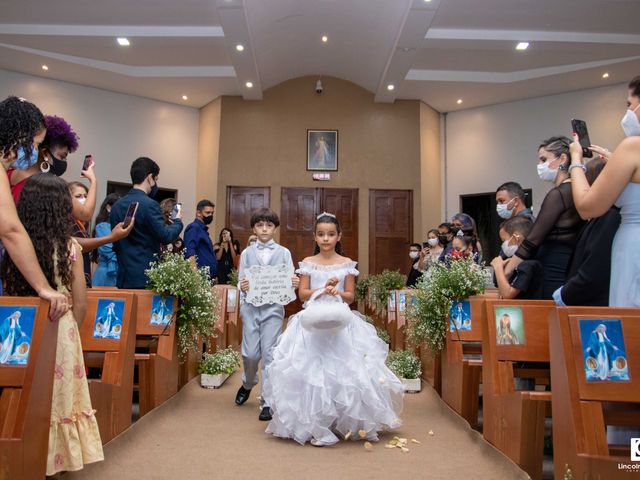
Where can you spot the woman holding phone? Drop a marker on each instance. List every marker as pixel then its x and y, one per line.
pixel 227 253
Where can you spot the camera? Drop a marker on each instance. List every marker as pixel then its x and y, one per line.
pixel 318 87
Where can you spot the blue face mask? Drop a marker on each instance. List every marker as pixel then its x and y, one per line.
pixel 26 160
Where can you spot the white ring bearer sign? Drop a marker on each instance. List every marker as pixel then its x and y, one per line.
pixel 269 284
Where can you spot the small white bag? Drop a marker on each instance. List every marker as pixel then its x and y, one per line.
pixel 325 315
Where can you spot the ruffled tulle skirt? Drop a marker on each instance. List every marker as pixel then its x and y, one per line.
pixel 327 384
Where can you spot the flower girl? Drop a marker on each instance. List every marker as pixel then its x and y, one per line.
pixel 328 378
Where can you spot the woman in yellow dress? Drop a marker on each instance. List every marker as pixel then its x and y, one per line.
pixel 45 210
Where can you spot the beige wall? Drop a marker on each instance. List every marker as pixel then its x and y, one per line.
pixel 430 171
pixel 488 146
pixel 263 143
pixel 208 151
pixel 117 129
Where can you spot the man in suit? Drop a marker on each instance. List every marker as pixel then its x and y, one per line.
pixel 142 246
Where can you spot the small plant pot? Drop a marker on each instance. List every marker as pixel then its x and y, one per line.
pixel 212 381
pixel 411 385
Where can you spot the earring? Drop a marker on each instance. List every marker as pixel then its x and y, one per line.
pixel 45 167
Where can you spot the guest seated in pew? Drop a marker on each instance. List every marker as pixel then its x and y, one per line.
pixel 74 438
pixel 21 131
pixel 590 268
pixel 526 280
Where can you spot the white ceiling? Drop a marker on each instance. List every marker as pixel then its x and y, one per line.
pixel 435 51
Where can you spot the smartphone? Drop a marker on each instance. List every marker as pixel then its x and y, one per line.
pixel 580 127
pixel 88 160
pixel 176 211
pixel 425 244
pixel 131 213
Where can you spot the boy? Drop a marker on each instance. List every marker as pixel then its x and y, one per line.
pixel 526 281
pixel 261 325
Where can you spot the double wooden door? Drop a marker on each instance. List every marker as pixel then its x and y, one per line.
pixel 241 203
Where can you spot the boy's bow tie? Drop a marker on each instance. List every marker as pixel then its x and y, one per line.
pixel 270 245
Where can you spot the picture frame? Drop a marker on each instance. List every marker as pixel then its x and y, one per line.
pixel 322 150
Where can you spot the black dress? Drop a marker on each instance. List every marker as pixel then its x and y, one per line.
pixel 225 264
pixel 553 237
pixel 79 231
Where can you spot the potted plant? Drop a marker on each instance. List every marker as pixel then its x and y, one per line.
pixel 215 368
pixel 406 365
pixel 198 305
pixel 428 314
pixel 380 288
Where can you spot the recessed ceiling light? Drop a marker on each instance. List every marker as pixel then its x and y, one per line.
pixel 325 39
pixel 249 84
pixel 391 86
pixel 44 67
pixel 522 46
pixel 123 42
pixel 184 97
pixel 240 47
pixel 605 75
pixel 459 101
pixel 427 1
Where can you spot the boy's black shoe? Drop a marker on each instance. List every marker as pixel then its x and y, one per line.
pixel 265 414
pixel 242 395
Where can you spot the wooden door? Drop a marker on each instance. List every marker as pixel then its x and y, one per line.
pixel 241 203
pixel 390 230
pixel 343 203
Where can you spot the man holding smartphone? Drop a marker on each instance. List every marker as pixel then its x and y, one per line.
pixel 197 241
pixel 141 247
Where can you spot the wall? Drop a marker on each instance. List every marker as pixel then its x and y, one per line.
pixel 263 143
pixel 431 172
pixel 490 145
pixel 117 129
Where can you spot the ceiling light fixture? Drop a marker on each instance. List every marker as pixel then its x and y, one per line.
pixel 605 75
pixel 123 42
pixel 325 39
pixel 522 46
pixel 184 97
pixel 249 84
pixel 391 86
pixel 427 1
pixel 44 67
pixel 240 47
pixel 459 101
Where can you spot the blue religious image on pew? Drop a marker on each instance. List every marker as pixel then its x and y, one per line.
pixel 108 322
pixel 402 301
pixel 605 358
pixel 460 315
pixel 161 310
pixel 16 331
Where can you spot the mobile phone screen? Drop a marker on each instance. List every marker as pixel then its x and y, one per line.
pixel 131 213
pixel 176 210
pixel 88 160
pixel 580 127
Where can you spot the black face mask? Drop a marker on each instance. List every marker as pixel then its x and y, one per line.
pixel 154 190
pixel 58 167
pixel 207 220
pixel 443 239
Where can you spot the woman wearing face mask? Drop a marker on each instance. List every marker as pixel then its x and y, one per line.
pixel 618 184
pixel 21 130
pixel 79 193
pixel 414 274
pixel 436 242
pixel 556 229
pixel 106 272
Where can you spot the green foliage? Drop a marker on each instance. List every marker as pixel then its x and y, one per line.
pixel 444 283
pixel 362 288
pixel 198 305
pixel 382 334
pixel 223 361
pixel 405 364
pixel 233 277
pixel 380 287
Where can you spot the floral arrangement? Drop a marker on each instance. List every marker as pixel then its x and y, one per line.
pixel 382 334
pixel 223 361
pixel 405 364
pixel 233 277
pixel 198 305
pixel 376 289
pixel 446 281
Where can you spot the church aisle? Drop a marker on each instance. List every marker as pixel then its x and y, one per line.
pixel 201 434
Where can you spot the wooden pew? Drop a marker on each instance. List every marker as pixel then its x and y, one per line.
pixel 111 394
pixel 228 328
pixel 514 420
pixel 461 360
pixel 583 406
pixel 26 386
pixel 156 351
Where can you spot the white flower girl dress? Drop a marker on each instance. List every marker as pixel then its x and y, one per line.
pixel 328 375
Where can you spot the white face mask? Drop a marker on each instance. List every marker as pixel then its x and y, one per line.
pixel 630 123
pixel 545 173
pixel 414 255
pixel 503 209
pixel 509 250
pixel 432 242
